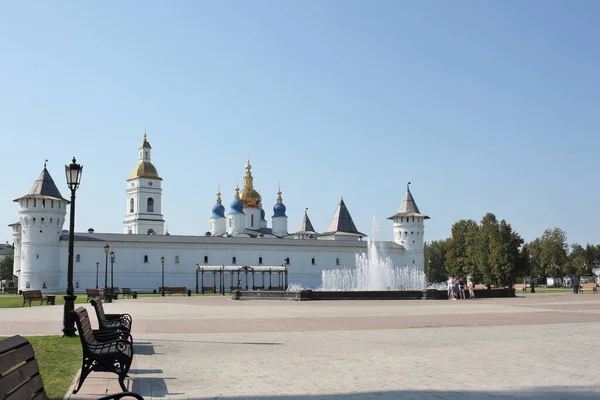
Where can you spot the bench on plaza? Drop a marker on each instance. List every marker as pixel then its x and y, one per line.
pixel 111 322
pixel 101 355
pixel 115 293
pixel 91 293
pixel 521 286
pixel 11 290
pixel 126 292
pixel 34 295
pixel 589 286
pixel 258 287
pixel 480 287
pixel 208 289
pixel 24 380
pixel 276 288
pixel 176 290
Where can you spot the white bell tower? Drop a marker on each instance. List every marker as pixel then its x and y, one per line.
pixel 144 196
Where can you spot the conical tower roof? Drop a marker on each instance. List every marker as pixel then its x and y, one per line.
pixel 306 227
pixel 44 186
pixel 342 223
pixel 408 207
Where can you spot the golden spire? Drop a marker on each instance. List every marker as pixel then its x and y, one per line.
pixel 249 196
pixel 237 192
pixel 248 179
pixel 279 199
pixel 219 194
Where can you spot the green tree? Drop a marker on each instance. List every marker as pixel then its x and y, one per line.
pixel 456 247
pixel 578 262
pixel 435 260
pixel 481 248
pixel 6 267
pixel 533 252
pixel 505 254
pixel 553 254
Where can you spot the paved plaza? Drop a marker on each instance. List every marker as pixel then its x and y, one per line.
pixel 542 346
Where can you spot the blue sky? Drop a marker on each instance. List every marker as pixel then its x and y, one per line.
pixel 482 105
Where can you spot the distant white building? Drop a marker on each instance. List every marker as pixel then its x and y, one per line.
pixel 240 238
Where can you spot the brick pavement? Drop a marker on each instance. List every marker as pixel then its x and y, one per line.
pixel 536 346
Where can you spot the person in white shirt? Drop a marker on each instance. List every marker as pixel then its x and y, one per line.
pixel 470 286
pixel 451 282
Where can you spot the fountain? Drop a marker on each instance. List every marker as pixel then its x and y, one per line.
pixel 372 272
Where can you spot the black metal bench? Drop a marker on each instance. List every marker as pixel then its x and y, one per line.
pixel 111 322
pixel 20 374
pixel 126 292
pixel 91 293
pixel 33 295
pixel 101 354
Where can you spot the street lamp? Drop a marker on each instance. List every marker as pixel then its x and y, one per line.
pixel 112 275
pixel 73 173
pixel 106 295
pixel 197 270
pixel 97 265
pixel 531 270
pixel 162 289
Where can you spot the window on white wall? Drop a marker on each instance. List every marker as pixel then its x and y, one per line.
pixel 150 205
pixel 146 259
pixel 313 261
pixel 259 260
pixel 131 204
pixel 337 261
pixel 205 259
pixel 233 260
pixel 176 259
pixel 78 258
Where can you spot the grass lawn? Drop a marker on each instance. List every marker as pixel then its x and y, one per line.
pixel 16 300
pixel 59 360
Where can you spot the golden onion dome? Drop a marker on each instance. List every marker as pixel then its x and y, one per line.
pixel 144 169
pixel 250 197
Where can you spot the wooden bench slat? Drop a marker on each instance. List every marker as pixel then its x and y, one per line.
pixel 18 376
pixel 15 356
pixel 34 387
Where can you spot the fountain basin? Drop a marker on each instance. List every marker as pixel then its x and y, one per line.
pixel 318 295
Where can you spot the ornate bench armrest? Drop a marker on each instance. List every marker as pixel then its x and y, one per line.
pixel 112 317
pixel 118 396
pixel 108 336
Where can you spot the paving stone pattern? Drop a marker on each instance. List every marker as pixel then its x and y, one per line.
pixel 532 347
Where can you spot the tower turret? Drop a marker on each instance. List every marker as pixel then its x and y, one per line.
pixel 16 235
pixel 218 223
pixel 409 229
pixel 279 219
pixel 237 218
pixel 41 217
pixel 144 196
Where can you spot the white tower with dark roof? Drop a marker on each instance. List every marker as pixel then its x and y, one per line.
pixel 409 229
pixel 41 217
pixel 144 196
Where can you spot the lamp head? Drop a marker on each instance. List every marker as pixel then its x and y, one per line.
pixel 112 256
pixel 106 248
pixel 97 264
pixel 162 259
pixel 73 173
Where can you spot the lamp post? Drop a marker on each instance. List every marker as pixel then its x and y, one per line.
pixel 106 295
pixel 97 265
pixel 73 173
pixel 112 273
pixel 162 289
pixel 531 270
pixel 197 270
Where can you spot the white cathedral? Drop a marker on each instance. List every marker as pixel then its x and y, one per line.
pixel 240 238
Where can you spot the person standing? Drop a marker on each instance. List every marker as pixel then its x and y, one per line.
pixel 575 283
